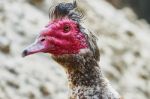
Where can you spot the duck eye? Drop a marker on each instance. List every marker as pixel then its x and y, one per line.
pixel 66 28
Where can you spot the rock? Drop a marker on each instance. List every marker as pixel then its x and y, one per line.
pixel 36 1
pixel 12 70
pixel 31 95
pixel 4 45
pixel 43 89
pixel 13 84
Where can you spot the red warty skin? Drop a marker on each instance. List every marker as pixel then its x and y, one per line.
pixel 59 37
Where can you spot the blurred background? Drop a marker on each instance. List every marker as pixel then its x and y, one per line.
pixel 123 30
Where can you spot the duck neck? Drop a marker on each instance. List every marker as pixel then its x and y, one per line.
pixel 82 69
pixel 86 80
pixel 84 72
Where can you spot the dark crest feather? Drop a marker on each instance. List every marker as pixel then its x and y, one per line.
pixel 66 9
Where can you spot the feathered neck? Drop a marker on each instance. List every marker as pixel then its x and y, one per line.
pixel 83 72
pixel 82 68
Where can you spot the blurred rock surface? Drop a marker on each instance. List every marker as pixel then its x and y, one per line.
pixel 140 7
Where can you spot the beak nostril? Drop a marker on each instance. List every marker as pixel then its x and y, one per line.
pixel 42 40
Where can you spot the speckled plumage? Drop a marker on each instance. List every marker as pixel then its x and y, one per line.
pixel 86 80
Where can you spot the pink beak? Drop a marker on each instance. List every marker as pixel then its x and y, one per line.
pixel 34 48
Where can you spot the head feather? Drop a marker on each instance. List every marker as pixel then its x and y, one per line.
pixel 65 10
pixel 92 42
